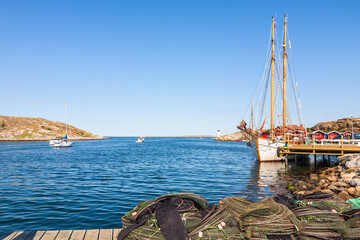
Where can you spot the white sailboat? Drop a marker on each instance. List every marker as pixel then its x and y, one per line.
pixel 265 146
pixel 141 138
pixel 62 142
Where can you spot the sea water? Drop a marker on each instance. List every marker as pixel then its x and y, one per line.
pixel 94 183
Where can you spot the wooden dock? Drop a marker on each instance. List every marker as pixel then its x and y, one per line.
pixel 323 147
pixel 92 234
pixel 318 150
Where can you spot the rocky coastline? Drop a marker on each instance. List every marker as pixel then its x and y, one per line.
pixel 39 129
pixel 233 137
pixel 342 181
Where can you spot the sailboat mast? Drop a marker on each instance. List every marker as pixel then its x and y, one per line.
pixel 66 117
pixel 284 79
pixel 252 117
pixel 272 77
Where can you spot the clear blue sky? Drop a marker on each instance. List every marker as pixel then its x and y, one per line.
pixel 185 67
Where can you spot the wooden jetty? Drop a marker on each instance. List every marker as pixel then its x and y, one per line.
pixel 92 234
pixel 326 147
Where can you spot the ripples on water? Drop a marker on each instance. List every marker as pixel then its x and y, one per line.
pixel 94 183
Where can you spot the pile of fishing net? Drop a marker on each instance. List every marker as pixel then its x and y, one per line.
pixel 190 216
pixel 325 217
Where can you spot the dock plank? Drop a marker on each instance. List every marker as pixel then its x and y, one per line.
pixel 64 235
pixel 50 235
pixel 35 235
pixel 92 234
pixel 7 235
pixel 21 235
pixel 116 232
pixel 78 235
pixel 105 234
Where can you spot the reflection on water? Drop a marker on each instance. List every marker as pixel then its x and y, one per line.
pixel 274 177
pixel 269 173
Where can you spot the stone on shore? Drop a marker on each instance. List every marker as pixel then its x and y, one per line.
pixel 314 176
pixel 351 190
pixel 350 160
pixel 347 177
pixel 355 182
pixel 344 195
pixel 342 181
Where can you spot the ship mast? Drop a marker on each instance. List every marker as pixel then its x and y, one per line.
pixel 66 118
pixel 284 80
pixel 272 77
pixel 252 118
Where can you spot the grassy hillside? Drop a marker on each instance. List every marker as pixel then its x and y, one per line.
pixel 26 128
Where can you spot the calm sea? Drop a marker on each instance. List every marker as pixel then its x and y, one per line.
pixel 94 183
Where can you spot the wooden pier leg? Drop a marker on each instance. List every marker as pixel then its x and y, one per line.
pixel 315 159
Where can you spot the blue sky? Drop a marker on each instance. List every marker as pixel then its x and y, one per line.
pixel 184 67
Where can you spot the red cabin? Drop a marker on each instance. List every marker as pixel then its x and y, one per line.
pixel 319 134
pixel 333 134
pixel 347 135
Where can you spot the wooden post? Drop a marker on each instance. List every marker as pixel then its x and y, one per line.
pixel 313 143
pixel 342 144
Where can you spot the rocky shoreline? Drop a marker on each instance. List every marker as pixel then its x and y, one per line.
pixel 48 139
pixel 233 137
pixel 342 181
pixel 39 129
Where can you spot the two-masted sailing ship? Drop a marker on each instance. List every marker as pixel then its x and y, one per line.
pixel 265 143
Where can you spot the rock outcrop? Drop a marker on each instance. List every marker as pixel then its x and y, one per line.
pixel 238 136
pixel 341 125
pixel 39 129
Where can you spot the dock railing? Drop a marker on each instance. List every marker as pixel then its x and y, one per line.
pixel 321 147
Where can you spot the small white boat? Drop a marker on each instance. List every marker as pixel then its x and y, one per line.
pixel 53 141
pixel 61 142
pixel 140 140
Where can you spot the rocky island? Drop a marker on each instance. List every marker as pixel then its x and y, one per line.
pixel 340 125
pixel 39 129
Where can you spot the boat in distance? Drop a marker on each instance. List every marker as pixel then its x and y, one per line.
pixel 61 142
pixel 140 140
